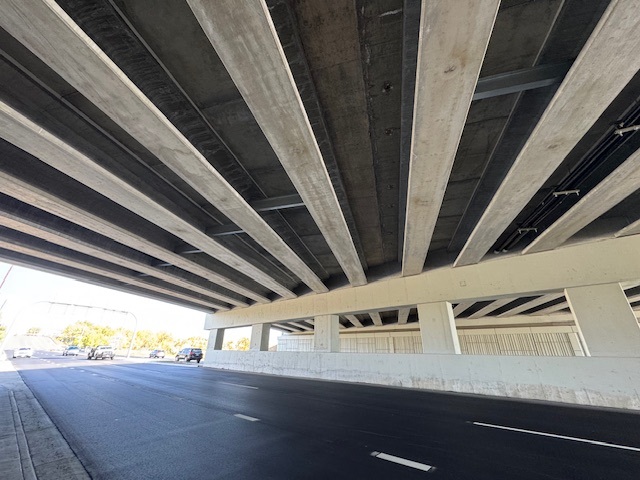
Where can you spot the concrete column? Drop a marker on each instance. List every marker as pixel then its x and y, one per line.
pixel 260 337
pixel 326 334
pixel 606 320
pixel 216 336
pixel 438 328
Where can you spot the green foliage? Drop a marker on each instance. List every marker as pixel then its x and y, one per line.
pixel 3 331
pixel 242 344
pixel 33 331
pixel 88 334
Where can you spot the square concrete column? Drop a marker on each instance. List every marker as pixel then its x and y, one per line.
pixel 260 337
pixel 438 328
pixel 326 333
pixel 216 336
pixel 607 323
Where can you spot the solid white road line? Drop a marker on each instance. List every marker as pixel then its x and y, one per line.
pixel 239 385
pixel 245 417
pixel 564 437
pixel 403 461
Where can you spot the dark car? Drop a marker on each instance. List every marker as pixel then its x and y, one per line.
pixel 156 354
pixel 189 354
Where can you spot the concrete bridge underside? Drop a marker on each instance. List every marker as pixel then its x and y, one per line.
pixel 332 168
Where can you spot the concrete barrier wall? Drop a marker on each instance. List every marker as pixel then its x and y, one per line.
pixel 597 381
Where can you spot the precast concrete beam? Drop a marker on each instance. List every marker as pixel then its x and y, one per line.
pixel 572 266
pixel 531 304
pixel 606 64
pixel 375 318
pixel 606 321
pixel 403 315
pixel 15 222
pixel 45 29
pixel 631 229
pixel 453 41
pixel 245 39
pixel 493 306
pixel 111 272
pixel 438 328
pixel 461 307
pixel 44 200
pixel 260 337
pixel 618 185
pixel 30 137
pixel 354 320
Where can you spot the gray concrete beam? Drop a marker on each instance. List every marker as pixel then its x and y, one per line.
pixel 607 63
pixel 354 320
pixel 453 41
pixel 618 185
pixel 246 41
pixel 42 26
pixel 631 229
pixel 32 138
pixel 403 315
pixel 44 200
pixel 593 263
pixel 487 309
pixel 461 307
pixel 375 318
pixel 531 304
pixel 50 234
pixel 112 273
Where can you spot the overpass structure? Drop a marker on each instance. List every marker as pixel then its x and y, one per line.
pixel 341 167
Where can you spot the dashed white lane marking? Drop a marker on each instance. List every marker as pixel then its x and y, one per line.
pixel 564 437
pixel 239 385
pixel 403 461
pixel 245 417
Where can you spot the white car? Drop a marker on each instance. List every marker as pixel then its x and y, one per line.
pixel 23 352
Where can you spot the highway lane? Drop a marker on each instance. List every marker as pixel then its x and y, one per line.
pixel 157 419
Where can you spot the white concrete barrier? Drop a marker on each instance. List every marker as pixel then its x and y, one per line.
pixel 597 381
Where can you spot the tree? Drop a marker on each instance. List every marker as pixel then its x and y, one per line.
pixel 33 331
pixel 3 331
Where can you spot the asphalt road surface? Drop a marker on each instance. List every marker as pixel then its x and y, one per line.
pixel 159 420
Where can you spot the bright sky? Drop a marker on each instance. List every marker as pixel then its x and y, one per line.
pixel 26 295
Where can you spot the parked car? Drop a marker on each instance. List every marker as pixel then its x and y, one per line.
pixel 71 350
pixel 23 352
pixel 156 354
pixel 189 354
pixel 101 351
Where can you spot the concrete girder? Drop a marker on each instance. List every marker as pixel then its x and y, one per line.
pixel 618 185
pixel 30 137
pixel 112 272
pixel 587 90
pixel 375 318
pixel 461 307
pixel 20 190
pixel 303 326
pixel 631 229
pixel 246 41
pixel 354 320
pixel 487 309
pixel 531 304
pixel 19 259
pixel 553 308
pixel 73 242
pixel 403 315
pixel 453 41
pixel 594 263
pixel 42 26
